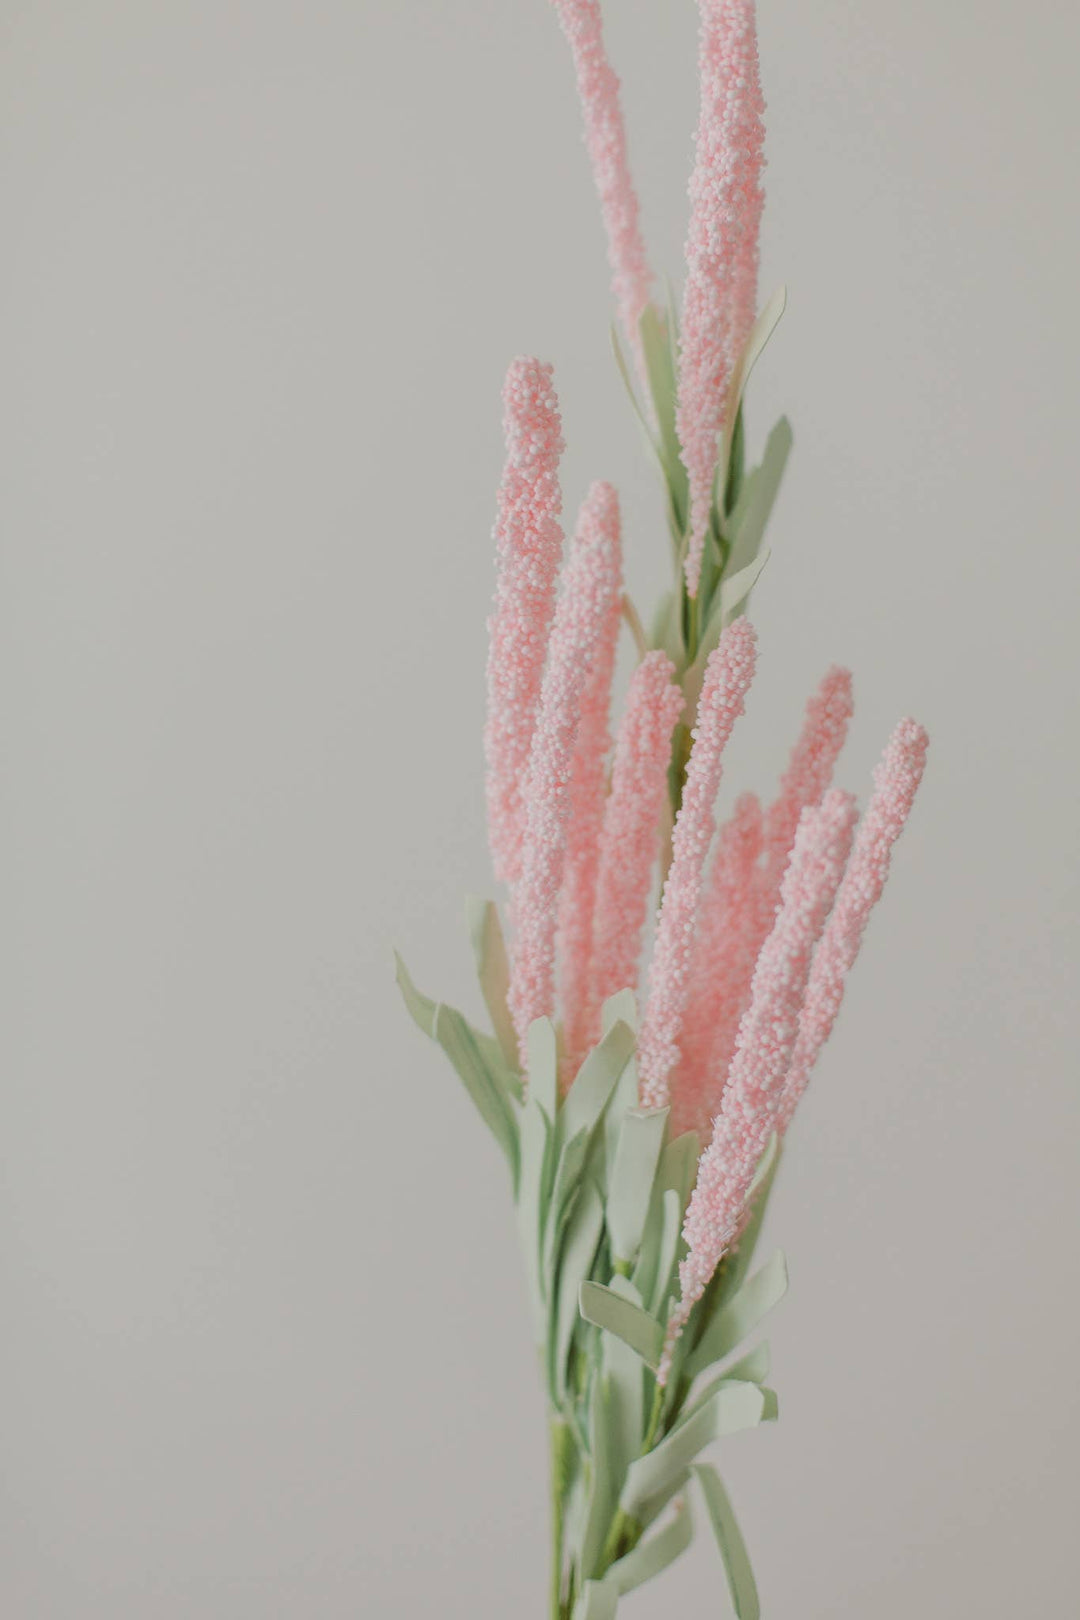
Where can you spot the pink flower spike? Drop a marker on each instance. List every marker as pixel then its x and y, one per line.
pixel 809 770
pixel 632 826
pixel 590 586
pixel 896 781
pixel 727 928
pixel 577 899
pixel 529 541
pixel 605 140
pixel 767 1036
pixel 808 774
pixel 728 674
pixel 726 198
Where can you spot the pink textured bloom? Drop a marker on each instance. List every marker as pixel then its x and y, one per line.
pixel 632 825
pixel 728 674
pixel 605 139
pixel 529 540
pixel 763 1051
pixel 727 931
pixel 721 249
pixel 896 780
pixel 806 778
pixel 590 585
pixel 809 771
pixel 587 796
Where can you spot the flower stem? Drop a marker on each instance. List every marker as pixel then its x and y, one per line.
pixel 560 1440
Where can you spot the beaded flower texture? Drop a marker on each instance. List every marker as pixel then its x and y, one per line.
pixel 643 1122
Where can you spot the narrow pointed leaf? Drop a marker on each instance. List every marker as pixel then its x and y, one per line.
pixel 736 1560
pixel 456 1039
pixel 622 1005
pixel 598 1601
pixel 588 1096
pixel 536 1142
pixel 493 971
pixel 730 1408
pixel 564 1192
pixel 747 523
pixel 653 1556
pixel 739 1315
pixel 737 1265
pixel 543 1064
pixel 603 1498
pixel 763 329
pixel 664 1280
pixel 627 1321
pixel 626 1409
pixel 578 1251
pixel 630 1183
pixel 753 1367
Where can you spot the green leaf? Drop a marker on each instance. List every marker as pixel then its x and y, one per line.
pixel 622 1368
pixel 456 1039
pixel 493 971
pixel 740 1314
pixel 421 1008
pixel 729 1377
pixel 622 1005
pixel 734 589
pixel 596 1079
pixel 578 1252
pixel 660 368
pixel 534 1188
pixel 567 1184
pixel 603 1495
pixel 747 524
pixel 652 1557
pixel 669 1225
pixel 609 1310
pixel 678 1166
pixel 637 1154
pixel 598 1601
pixel 753 1368
pixel 651 1509
pixel 731 1407
pixel 476 1058
pixel 740 1576
pixel 631 392
pixel 667 631
pixel 763 329
pixel 675 1175
pixel 736 1266
pixel 543 1051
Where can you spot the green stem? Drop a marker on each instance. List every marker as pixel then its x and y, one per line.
pixel 560 1439
pixel 625 1532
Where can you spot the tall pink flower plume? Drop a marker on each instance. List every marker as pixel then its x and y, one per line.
pixel 896 781
pixel 809 769
pixel 767 1037
pixel 728 674
pixel 722 248
pixel 726 931
pixel 577 899
pixel 632 824
pixel 808 774
pixel 605 139
pixel 590 585
pixel 529 541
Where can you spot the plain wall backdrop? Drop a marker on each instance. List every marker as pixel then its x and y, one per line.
pixel 265 1349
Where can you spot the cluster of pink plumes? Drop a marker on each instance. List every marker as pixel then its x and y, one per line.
pixel 761 919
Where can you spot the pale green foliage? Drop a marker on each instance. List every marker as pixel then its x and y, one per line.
pixel 600 1195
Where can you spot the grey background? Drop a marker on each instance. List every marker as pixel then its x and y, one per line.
pixel 264 1348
